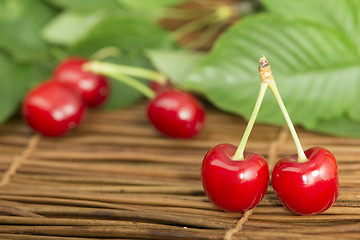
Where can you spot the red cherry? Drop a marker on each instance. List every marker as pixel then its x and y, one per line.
pixel 94 88
pixel 310 187
pixel 176 113
pixel 234 186
pixel 53 108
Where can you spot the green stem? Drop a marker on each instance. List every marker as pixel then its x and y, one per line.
pixel 301 154
pixel 218 18
pixel 239 154
pixel 205 37
pixel 105 52
pixel 108 69
pixel 178 13
pixel 96 66
pixel 192 26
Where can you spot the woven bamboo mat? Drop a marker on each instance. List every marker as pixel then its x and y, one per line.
pixel 117 178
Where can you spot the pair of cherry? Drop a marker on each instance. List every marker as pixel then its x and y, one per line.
pixel 306 183
pixel 59 105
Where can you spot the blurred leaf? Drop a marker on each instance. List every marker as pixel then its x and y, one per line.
pixel 16 80
pixel 176 64
pixel 147 4
pixel 9 98
pixel 86 5
pixel 20 36
pixel 68 27
pixel 11 10
pixel 129 33
pixel 342 126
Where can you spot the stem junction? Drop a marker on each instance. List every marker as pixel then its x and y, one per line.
pixel 121 74
pixel 266 76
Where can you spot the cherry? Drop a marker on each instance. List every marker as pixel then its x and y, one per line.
pixel 234 186
pixel 233 180
pixel 53 108
pixel 310 187
pixel 176 113
pixel 94 88
pixel 306 183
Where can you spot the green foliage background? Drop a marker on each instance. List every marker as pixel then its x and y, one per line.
pixel 313 48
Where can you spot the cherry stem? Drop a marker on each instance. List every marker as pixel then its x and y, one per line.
pixel 192 26
pixel 97 67
pixel 109 51
pixel 222 14
pixel 206 36
pixel 265 73
pixel 301 155
pixel 107 69
pixel 181 14
pixel 239 154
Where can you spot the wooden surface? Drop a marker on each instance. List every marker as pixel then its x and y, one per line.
pixel 117 178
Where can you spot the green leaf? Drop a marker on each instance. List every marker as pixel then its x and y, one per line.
pixel 129 33
pixel 9 98
pixel 146 4
pixel 68 27
pixel 342 15
pixel 20 36
pixel 153 10
pixel 314 67
pixel 343 126
pixel 176 64
pixel 354 111
pixel 132 36
pixel 86 5
pixel 16 80
pixel 11 10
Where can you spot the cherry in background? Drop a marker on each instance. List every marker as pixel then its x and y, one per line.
pixel 53 109
pixel 176 113
pixel 306 183
pixel 94 88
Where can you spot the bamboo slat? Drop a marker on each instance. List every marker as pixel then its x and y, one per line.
pixel 117 178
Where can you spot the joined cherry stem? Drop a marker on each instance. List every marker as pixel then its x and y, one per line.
pixel 97 67
pixel 121 73
pixel 105 52
pixel 266 76
pixel 267 80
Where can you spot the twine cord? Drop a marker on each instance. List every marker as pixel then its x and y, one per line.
pixel 239 225
pixel 33 142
